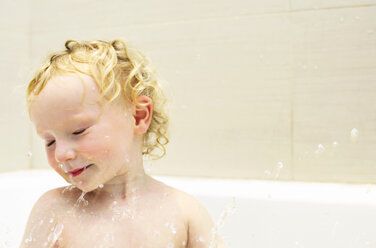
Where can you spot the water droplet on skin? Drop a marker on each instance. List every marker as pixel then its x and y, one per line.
pixel 28 240
pixel 147 167
pixel 184 243
pixel 51 220
pixel 29 154
pixel 81 199
pixel 172 228
pixel 59 228
pixel 56 233
pixel 170 245
pixel 108 237
pixel 335 143
pixel 201 239
pixel 101 186
pixel 63 168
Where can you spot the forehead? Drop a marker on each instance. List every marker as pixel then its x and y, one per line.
pixel 68 94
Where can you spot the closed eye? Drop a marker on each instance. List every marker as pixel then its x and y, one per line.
pixel 79 132
pixel 51 143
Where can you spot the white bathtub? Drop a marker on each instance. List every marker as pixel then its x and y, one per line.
pixel 268 214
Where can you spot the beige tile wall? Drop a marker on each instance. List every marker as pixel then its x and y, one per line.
pixel 14 70
pixel 335 73
pixel 258 89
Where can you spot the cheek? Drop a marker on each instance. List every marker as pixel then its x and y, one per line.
pixel 98 148
pixel 51 159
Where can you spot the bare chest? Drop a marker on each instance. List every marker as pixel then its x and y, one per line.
pixel 123 228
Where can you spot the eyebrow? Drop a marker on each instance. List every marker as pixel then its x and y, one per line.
pixel 76 118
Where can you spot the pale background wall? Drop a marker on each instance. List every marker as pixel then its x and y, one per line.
pixel 259 89
pixel 14 69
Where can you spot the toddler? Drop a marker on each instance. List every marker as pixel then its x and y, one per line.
pixel 99 108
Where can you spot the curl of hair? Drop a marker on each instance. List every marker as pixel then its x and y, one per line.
pixel 117 70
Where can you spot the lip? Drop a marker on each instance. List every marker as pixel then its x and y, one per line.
pixel 77 172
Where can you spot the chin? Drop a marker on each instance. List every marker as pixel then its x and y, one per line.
pixel 85 187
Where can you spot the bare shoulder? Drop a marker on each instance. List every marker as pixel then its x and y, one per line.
pixel 48 202
pixel 200 225
pixel 43 217
pixel 183 200
pixel 189 204
pixel 201 228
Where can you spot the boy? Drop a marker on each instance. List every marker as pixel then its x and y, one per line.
pixel 99 109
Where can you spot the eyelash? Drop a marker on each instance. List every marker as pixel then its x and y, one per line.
pixel 75 133
pixel 50 144
pixel 79 132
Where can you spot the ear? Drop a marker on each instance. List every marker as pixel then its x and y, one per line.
pixel 142 114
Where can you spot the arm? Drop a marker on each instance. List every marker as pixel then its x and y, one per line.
pixel 202 233
pixel 41 223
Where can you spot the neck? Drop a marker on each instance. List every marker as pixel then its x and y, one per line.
pixel 126 183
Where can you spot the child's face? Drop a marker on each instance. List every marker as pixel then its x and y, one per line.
pixel 80 134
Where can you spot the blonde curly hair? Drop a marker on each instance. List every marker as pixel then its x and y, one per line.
pixel 118 71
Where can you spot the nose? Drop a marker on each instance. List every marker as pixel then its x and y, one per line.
pixel 64 152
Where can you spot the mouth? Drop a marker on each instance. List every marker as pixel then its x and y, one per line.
pixel 77 172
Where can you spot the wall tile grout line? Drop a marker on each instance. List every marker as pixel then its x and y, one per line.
pixel 334 8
